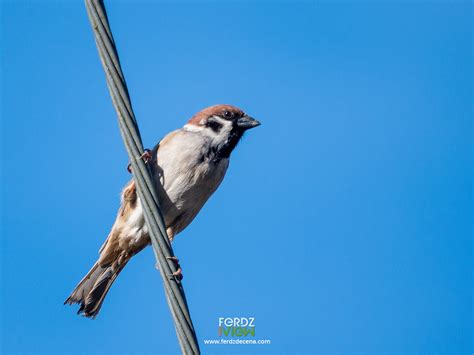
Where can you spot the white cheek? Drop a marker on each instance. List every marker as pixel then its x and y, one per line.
pixel 224 132
pixel 216 137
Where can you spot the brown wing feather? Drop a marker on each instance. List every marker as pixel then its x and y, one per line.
pixel 92 289
pixel 110 250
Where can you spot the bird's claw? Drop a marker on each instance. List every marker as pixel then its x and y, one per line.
pixel 146 156
pixel 178 274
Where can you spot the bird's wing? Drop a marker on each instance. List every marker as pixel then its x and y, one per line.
pixel 111 249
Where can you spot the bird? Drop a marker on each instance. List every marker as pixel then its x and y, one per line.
pixel 187 166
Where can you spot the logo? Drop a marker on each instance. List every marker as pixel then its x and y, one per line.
pixel 236 327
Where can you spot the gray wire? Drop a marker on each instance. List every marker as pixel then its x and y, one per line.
pixel 146 192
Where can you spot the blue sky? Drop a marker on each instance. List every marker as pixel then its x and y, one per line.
pixel 344 222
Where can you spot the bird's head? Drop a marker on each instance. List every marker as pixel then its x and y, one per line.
pixel 224 124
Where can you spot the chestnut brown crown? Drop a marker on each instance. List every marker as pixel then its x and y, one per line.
pixel 240 120
pixel 224 111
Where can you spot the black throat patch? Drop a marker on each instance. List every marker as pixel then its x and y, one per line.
pixel 224 150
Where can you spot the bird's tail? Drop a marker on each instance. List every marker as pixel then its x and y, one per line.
pixel 92 289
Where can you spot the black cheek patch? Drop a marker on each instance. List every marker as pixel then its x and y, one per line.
pixel 214 125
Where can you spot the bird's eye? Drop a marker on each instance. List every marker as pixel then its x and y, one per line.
pixel 227 114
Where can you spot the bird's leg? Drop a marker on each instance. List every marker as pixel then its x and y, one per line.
pixel 146 156
pixel 178 274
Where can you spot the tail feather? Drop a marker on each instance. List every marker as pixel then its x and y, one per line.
pixel 92 289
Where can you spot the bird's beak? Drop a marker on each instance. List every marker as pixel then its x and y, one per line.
pixel 247 122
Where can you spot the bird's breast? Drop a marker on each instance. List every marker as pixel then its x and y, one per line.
pixel 186 176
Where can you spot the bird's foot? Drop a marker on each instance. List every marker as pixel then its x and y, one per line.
pixel 178 274
pixel 146 156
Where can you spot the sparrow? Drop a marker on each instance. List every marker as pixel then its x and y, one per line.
pixel 187 166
